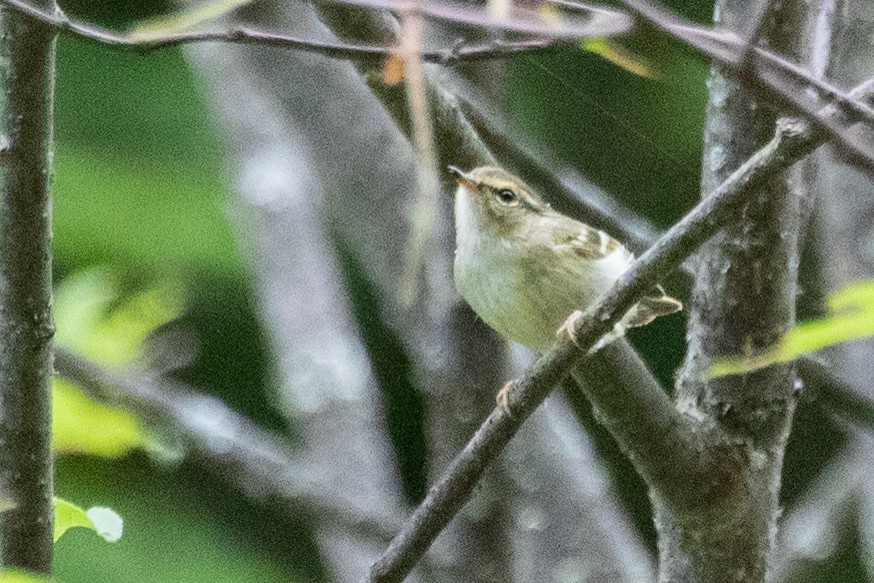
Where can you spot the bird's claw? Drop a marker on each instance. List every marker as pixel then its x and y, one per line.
pixel 568 327
pixel 503 398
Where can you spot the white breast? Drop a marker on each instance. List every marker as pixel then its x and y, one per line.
pixel 483 269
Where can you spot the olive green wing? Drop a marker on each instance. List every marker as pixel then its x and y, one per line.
pixel 585 241
pixel 593 244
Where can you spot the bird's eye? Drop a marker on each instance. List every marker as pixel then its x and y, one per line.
pixel 507 195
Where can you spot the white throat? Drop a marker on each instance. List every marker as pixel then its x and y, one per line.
pixel 467 222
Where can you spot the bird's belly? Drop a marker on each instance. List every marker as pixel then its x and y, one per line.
pixel 491 292
pixel 523 305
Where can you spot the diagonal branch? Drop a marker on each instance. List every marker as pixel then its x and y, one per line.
pixel 767 70
pixel 793 140
pixel 222 440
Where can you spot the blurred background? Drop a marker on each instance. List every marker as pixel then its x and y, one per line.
pixel 146 198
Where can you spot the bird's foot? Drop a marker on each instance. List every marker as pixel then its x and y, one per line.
pixel 503 398
pixel 568 326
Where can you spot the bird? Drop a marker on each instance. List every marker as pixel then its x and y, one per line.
pixel 527 270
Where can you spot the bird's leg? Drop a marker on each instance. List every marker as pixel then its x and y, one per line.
pixel 503 397
pixel 568 326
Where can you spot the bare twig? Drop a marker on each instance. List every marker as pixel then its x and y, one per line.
pixel 424 210
pixel 243 35
pixel 836 394
pixel 26 322
pixel 601 21
pixel 793 140
pixel 771 72
pixel 255 460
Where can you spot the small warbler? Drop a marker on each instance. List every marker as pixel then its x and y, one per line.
pixel 525 269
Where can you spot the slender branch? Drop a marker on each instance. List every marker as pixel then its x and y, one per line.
pixel 424 208
pixel 769 71
pixel 722 46
pixel 27 53
pixel 222 439
pixel 835 393
pixel 450 56
pixel 601 21
pixel 793 140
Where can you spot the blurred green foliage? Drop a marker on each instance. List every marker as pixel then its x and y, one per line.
pixel 140 190
pixel 94 321
pixel 851 317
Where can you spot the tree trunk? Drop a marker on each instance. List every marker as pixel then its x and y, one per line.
pixel 26 323
pixel 743 299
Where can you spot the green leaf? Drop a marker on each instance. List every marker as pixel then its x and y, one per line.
pixel 19 576
pixel 851 317
pixel 184 19
pixel 82 425
pixel 103 521
pixel 615 53
pixel 93 320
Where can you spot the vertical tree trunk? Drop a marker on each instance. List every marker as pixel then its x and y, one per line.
pixel 26 324
pixel 743 299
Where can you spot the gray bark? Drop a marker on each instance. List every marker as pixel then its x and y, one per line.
pixel 843 495
pixel 26 322
pixel 743 299
pixel 326 386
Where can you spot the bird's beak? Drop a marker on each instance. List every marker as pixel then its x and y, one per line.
pixel 464 179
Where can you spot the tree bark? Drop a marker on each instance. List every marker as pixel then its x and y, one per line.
pixel 26 323
pixel 743 299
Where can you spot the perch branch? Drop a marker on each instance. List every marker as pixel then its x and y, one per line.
pixel 793 140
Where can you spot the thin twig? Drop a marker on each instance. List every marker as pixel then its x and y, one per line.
pixel 771 72
pixel 729 48
pixel 424 208
pixel 793 140
pixel 726 48
pixel 835 393
pixel 242 35
pixel 601 21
